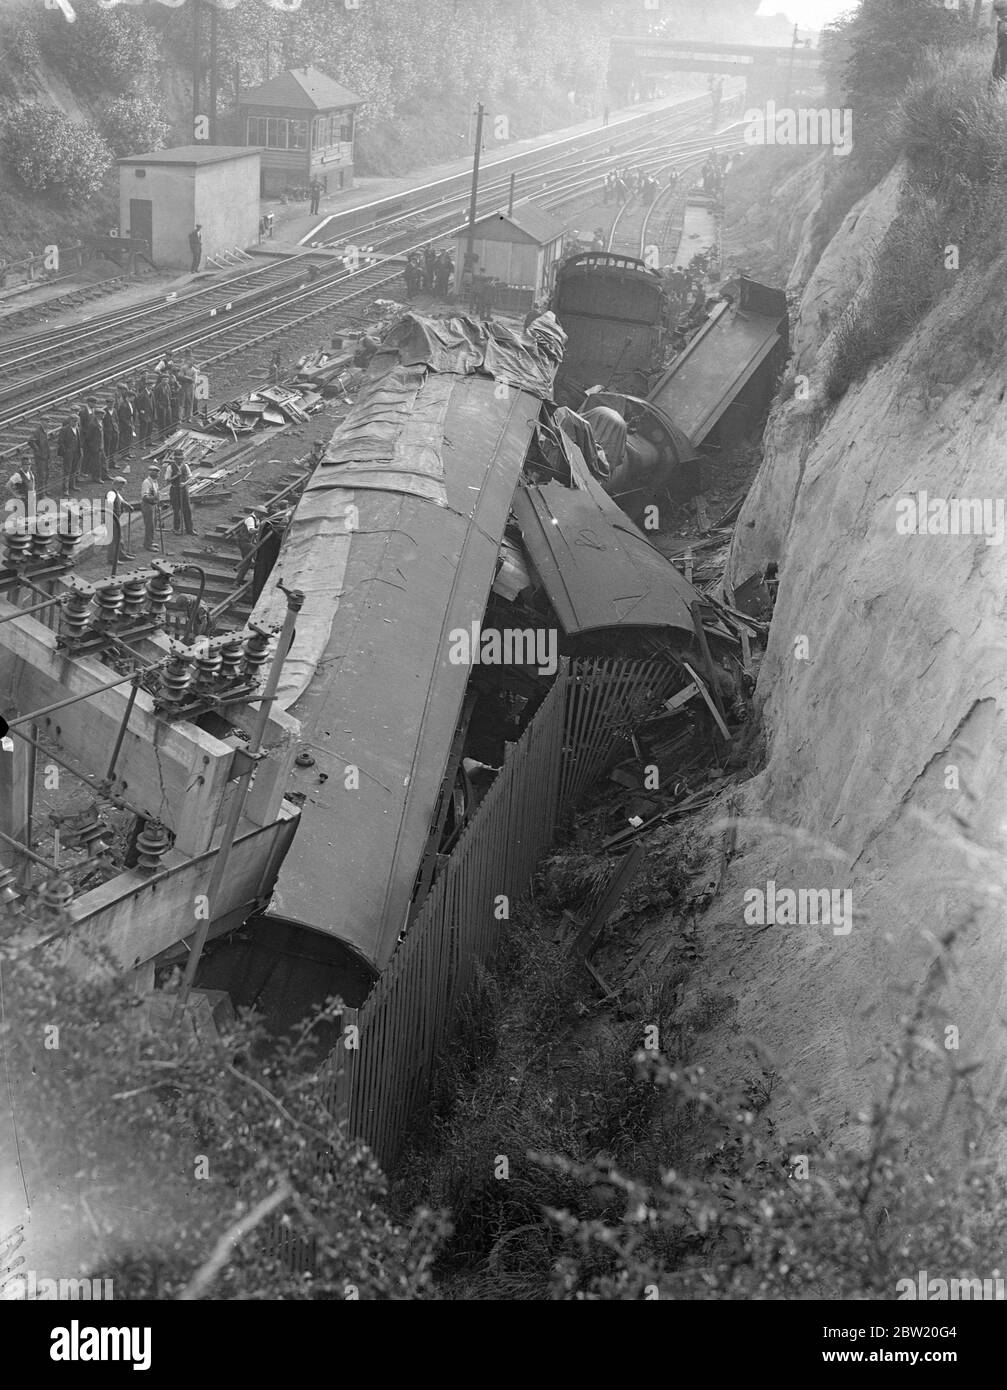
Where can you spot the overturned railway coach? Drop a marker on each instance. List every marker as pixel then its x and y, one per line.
pixel 615 312
pixel 395 547
pixel 425 527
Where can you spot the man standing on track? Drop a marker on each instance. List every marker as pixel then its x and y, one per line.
pixel 162 403
pixel 178 476
pixel 92 443
pixel 124 415
pixel 443 267
pixel 187 382
pixel 271 531
pixel 22 486
pixel 115 505
pixel 110 432
pixel 196 246
pixel 144 407
pixel 150 497
pixel 413 275
pixel 316 196
pixel 175 394
pixel 41 456
pixel 68 452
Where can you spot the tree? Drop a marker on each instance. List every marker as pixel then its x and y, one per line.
pixel 50 152
pixel 888 40
pixel 135 124
pixel 102 49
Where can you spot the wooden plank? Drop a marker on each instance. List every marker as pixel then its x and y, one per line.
pixel 701 516
pixel 691 803
pixel 689 692
pixel 704 647
pixel 709 703
pixel 587 937
pixel 746 651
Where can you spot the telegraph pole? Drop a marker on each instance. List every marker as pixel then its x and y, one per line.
pixel 213 74
pixel 470 245
pixel 196 29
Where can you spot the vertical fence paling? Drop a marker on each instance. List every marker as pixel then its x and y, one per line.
pixel 405 1021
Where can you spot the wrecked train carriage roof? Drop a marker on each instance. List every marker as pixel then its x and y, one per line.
pixel 395 544
pixel 598 569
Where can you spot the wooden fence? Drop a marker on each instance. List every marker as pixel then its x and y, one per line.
pixel 585 720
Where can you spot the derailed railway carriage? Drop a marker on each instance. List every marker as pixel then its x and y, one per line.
pixel 448 509
pixel 616 313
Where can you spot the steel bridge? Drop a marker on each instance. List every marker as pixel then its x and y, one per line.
pixel 765 68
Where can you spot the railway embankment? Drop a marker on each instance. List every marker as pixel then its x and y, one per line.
pixel 880 498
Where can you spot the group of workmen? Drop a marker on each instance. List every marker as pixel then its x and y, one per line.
pixel 623 184
pixel 430 271
pixel 96 435
pixel 96 439
pixel 176 476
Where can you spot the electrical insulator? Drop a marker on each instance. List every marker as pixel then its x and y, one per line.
pixel 9 895
pixel 39 545
pixel 175 679
pixel 54 896
pixel 134 596
pixel 256 647
pixel 207 668
pixel 91 834
pixel 153 843
pixel 231 657
pixel 159 591
pixel 76 613
pixel 69 533
pixel 18 550
pixel 109 597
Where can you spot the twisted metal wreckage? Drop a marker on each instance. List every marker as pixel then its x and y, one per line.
pixel 305 779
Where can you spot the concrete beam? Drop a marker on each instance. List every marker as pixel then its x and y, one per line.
pixel 135 916
pixel 174 772
pixel 15 805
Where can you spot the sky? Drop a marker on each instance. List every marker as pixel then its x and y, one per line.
pixel 809 14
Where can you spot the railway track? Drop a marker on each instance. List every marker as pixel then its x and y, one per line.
pixel 25 315
pixel 46 370
pixel 635 227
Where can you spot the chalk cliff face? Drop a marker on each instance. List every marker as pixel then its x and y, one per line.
pixel 883 695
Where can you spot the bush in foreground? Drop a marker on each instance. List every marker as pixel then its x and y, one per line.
pixel 50 153
pixel 190 1164
pixel 631 1176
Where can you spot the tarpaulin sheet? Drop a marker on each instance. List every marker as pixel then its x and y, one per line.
pixel 393 440
pixel 393 437
pixel 370 677
pixel 465 346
